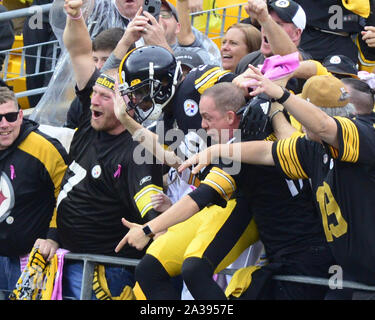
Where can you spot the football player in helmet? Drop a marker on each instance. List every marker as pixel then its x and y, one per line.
pixel 148 79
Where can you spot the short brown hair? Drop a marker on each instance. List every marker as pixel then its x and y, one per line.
pixel 107 39
pixel 7 95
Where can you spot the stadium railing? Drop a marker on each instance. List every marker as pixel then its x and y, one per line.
pixel 91 260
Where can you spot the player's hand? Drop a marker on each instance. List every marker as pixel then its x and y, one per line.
pixel 47 248
pixel 369 36
pixel 160 202
pixel 135 236
pixel 73 7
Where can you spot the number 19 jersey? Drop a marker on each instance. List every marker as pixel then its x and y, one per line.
pixel 343 183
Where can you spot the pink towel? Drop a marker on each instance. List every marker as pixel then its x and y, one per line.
pixel 277 67
pixel 57 286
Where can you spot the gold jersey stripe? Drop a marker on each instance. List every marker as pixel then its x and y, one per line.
pixel 350 137
pixel 209 78
pixel 220 181
pixel 193 180
pixel 143 198
pixel 289 162
pixel 40 148
pixel 205 75
pixel 334 152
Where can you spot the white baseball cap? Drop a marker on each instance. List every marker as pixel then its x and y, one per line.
pixel 289 11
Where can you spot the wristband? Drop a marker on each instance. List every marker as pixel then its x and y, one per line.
pixel 274 114
pixel 147 231
pixel 284 97
pixel 76 18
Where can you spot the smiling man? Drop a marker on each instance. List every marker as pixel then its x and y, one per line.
pixel 32 166
pixel 103 182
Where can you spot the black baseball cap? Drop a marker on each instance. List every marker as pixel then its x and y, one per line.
pixel 188 58
pixel 289 11
pixel 341 64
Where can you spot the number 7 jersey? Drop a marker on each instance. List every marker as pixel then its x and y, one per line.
pixel 343 183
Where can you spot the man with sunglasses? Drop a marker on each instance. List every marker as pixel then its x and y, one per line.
pixel 32 166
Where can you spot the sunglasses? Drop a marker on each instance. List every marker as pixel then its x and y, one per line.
pixel 10 116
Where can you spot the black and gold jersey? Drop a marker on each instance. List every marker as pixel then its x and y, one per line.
pixel 283 209
pixel 110 177
pixel 343 184
pixel 184 107
pixel 31 173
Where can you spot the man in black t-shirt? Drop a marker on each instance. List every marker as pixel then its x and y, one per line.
pixel 104 182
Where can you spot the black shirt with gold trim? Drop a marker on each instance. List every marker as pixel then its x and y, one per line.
pixel 343 183
pixel 283 209
pixel 31 170
pixel 184 107
pixel 103 184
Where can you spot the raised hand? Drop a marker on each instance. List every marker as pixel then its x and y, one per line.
pixel 73 7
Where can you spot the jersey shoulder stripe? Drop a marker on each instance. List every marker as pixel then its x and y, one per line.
pixel 221 182
pixel 287 154
pixel 209 78
pixel 143 198
pixel 350 138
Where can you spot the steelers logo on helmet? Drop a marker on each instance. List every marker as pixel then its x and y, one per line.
pixel 148 77
pixel 282 3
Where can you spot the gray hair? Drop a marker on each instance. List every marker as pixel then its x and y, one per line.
pixel 227 96
pixel 344 111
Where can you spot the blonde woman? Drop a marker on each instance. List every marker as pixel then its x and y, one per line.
pixel 239 40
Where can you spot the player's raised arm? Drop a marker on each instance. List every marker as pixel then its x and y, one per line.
pixel 311 117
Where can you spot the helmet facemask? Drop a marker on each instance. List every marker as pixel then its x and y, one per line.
pixel 148 97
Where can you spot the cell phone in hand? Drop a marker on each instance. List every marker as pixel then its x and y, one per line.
pixel 152 7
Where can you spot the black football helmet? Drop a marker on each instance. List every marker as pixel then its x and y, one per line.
pixel 255 123
pixel 148 77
